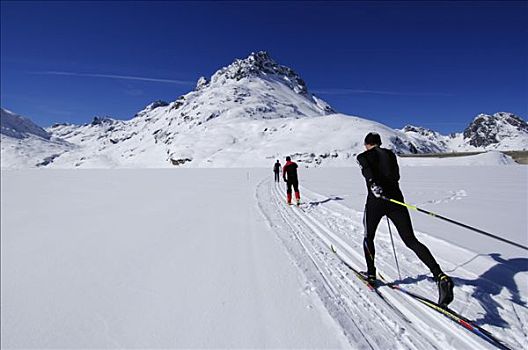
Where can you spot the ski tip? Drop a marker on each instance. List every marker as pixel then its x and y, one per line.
pixel 333 248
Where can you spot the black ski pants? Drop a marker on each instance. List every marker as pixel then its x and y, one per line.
pixel 290 183
pixel 375 210
pixel 277 177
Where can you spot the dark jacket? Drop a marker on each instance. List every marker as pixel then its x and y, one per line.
pixel 289 172
pixel 380 166
pixel 277 167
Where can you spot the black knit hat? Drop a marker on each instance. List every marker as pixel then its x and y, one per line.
pixel 373 138
pixel 288 158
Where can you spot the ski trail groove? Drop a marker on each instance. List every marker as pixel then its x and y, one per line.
pixel 360 312
pixel 332 298
pixel 470 299
pixel 316 228
pixel 360 292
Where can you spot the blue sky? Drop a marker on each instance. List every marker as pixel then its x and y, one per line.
pixel 435 64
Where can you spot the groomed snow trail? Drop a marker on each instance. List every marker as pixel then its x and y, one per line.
pixel 367 320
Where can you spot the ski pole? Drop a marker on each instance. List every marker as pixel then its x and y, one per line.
pixel 455 222
pixel 393 249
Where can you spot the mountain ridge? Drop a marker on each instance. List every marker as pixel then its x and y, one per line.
pixel 246 114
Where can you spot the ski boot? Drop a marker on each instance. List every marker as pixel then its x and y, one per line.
pixel 445 289
pixel 369 277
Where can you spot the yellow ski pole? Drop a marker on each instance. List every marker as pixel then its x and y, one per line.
pixel 455 222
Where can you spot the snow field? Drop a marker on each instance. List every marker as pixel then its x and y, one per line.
pixel 215 258
pixel 146 259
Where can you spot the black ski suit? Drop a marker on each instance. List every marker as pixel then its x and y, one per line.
pixel 379 166
pixel 276 170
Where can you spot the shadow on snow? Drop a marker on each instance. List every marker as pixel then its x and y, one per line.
pixel 489 284
pixel 334 198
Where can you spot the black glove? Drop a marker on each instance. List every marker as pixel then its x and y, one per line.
pixel 376 190
pixel 285 179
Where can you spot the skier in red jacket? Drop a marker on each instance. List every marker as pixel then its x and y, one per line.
pixel 289 174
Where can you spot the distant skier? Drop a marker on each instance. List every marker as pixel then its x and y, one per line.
pixel 276 170
pixel 380 169
pixel 289 174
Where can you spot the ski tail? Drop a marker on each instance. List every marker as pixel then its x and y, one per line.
pixel 372 287
pixel 452 315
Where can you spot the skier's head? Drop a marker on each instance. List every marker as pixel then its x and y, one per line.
pixel 372 139
pixel 288 159
pixel 277 161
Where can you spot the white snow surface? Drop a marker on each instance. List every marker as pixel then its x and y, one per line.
pixel 186 258
pixel 487 158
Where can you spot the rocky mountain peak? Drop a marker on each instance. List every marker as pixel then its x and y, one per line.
pixel 418 129
pixel 152 106
pixel 156 104
pixel 261 65
pixel 486 130
pixel 255 87
pixel 201 83
pixel 102 121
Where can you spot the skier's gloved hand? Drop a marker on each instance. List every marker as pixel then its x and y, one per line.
pixel 376 190
pixel 285 179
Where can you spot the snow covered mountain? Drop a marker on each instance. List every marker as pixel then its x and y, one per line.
pixel 18 127
pixel 25 144
pixel 498 131
pixel 420 134
pixel 245 115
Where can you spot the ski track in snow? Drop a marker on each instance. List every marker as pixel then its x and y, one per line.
pixel 366 320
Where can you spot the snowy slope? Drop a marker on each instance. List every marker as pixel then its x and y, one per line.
pixel 16 126
pixel 137 258
pixel 25 144
pixel 420 134
pixel 328 140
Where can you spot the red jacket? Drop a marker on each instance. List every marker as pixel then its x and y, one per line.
pixel 290 169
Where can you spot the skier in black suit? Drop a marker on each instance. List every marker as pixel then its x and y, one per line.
pixel 276 170
pixel 380 169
